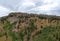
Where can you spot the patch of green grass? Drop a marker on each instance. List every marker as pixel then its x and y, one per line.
pixel 46 34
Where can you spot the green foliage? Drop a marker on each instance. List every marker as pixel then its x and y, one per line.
pixel 8 27
pixel 21 35
pixel 13 35
pixel 1 34
pixel 50 39
pixel 11 26
pixel 42 17
pixel 28 36
pixel 46 34
pixel 31 27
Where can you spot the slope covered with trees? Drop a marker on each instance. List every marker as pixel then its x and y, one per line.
pixel 29 27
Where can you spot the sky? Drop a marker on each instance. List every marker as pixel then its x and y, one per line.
pixel 49 7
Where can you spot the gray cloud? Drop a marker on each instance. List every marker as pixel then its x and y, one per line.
pixel 9 3
pixel 33 6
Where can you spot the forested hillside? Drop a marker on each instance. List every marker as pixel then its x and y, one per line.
pixel 29 27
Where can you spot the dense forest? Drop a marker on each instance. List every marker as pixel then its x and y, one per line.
pixel 29 27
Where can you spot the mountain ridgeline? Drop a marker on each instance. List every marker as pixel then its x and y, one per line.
pixel 39 19
pixel 31 27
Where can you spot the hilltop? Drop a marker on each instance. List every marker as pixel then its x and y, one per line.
pixel 40 18
pixel 33 23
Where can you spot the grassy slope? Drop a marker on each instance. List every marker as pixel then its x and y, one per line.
pixel 40 22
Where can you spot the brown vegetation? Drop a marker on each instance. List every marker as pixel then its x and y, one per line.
pixel 30 24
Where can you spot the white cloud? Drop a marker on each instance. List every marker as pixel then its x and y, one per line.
pixel 4 11
pixel 34 6
pixel 47 1
pixel 48 7
pixel 25 5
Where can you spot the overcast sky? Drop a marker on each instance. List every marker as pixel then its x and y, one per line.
pixel 50 7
